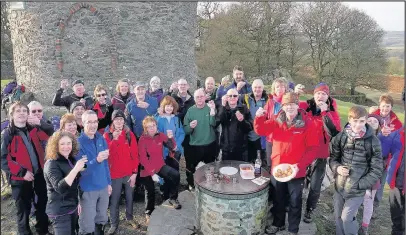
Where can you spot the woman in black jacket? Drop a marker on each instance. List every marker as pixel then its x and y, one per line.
pixel 61 173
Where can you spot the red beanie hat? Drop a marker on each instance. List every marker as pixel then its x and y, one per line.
pixel 322 87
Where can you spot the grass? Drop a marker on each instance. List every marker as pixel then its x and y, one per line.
pixel 4 82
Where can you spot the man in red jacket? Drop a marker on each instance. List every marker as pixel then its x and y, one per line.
pixel 323 109
pixel 294 138
pixel 22 158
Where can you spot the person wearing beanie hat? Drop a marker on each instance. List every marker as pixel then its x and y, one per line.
pixel 77 95
pixel 117 113
pixel 375 122
pixel 77 109
pixel 323 110
pixel 295 142
pixel 123 163
pixel 322 87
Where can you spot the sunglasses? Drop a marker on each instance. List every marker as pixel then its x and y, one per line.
pixel 35 111
pixel 99 95
pixel 235 96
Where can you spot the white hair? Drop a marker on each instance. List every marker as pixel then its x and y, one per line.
pixel 200 90
pixel 33 103
pixel 209 78
pixel 232 89
pixel 86 114
pixel 258 82
pixel 155 78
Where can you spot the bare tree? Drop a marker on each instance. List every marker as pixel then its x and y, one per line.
pixel 319 22
pixel 359 56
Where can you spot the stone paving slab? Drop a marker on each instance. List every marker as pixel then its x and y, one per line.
pixel 167 221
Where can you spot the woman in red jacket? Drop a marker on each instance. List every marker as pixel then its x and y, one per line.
pixel 323 109
pixel 294 142
pixel 123 163
pixel 153 166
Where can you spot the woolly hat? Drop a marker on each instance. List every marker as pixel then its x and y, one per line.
pixel 322 87
pixel 78 81
pixel 290 97
pixel 76 104
pixel 379 118
pixel 117 113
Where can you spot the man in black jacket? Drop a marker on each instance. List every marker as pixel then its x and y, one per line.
pixel 356 160
pixel 22 158
pixel 236 123
pixel 77 95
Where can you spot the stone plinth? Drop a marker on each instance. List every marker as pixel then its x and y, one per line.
pixel 228 208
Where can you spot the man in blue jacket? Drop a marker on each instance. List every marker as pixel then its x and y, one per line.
pixel 95 181
pixel 140 107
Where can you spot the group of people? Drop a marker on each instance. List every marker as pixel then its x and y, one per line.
pixel 105 145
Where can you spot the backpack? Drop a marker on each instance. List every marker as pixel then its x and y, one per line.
pixel 8 89
pixel 17 93
pixel 56 121
pixel 4 124
pixel 127 136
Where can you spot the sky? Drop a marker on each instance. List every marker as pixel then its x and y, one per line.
pixel 389 15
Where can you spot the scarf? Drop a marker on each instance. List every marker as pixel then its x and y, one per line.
pixel 352 135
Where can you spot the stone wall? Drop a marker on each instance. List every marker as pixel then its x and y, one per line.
pixel 102 42
pixel 218 216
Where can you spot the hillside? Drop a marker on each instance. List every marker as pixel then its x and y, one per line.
pixel 394 42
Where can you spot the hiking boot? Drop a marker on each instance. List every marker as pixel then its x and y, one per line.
pixel 363 230
pixel 175 204
pixel 274 229
pixel 308 216
pixel 99 229
pixel 112 229
pixel 192 188
pixel 132 222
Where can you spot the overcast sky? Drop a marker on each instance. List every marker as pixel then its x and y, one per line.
pixel 389 15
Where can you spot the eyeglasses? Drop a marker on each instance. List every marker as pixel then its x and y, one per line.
pixel 35 111
pixel 234 96
pixel 99 95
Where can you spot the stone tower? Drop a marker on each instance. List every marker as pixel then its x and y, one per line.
pixel 101 42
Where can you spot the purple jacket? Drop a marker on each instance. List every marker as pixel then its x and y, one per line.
pixel 158 94
pixel 393 146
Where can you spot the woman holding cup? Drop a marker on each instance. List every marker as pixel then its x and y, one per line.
pixel 153 167
pixel 61 174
